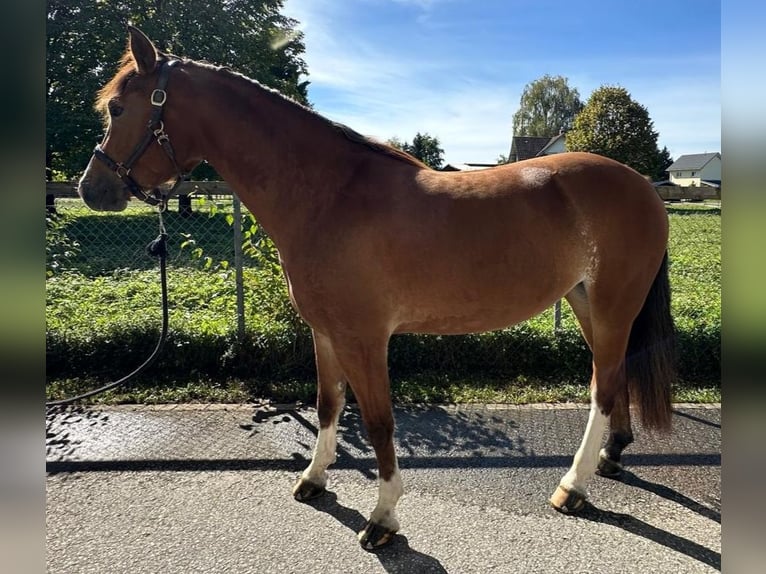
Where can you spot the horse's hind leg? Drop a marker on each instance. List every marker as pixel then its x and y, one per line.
pixel 620 436
pixel 331 387
pixel 620 431
pixel 609 344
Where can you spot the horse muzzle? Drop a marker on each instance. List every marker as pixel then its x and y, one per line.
pixel 100 195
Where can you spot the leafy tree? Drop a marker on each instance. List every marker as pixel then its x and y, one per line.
pixel 396 142
pixel 424 147
pixel 427 149
pixel 614 125
pixel 86 38
pixel 664 161
pixel 547 108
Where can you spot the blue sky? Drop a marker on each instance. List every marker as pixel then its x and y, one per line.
pixel 456 68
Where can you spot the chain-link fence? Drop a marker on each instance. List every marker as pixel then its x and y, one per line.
pixel 96 243
pixel 213 304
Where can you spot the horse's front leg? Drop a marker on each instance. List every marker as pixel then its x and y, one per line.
pixel 331 387
pixel 364 360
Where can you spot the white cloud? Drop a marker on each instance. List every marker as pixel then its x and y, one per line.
pixel 372 90
pixel 468 104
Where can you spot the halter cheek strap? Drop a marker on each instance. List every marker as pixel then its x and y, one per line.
pixel 155 130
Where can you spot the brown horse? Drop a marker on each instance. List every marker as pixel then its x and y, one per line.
pixel 373 242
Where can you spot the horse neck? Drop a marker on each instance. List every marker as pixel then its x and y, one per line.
pixel 274 153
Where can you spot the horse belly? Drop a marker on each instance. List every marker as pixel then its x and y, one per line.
pixel 457 324
pixel 445 308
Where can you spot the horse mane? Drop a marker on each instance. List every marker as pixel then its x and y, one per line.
pixel 115 86
pixel 127 70
pixel 356 137
pixel 349 133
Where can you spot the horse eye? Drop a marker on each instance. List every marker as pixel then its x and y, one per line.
pixel 115 110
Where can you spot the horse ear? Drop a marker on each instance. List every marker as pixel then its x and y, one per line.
pixel 144 52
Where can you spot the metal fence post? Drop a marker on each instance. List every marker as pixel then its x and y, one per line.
pixel 238 274
pixel 557 316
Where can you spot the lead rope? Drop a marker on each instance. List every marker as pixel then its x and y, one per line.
pixel 157 248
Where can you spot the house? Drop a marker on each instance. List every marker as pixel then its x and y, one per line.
pixel 526 147
pixel 558 144
pixel 522 147
pixel 467 166
pixel 695 170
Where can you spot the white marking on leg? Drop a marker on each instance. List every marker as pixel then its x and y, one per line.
pixel 324 453
pixel 586 458
pixel 324 456
pixel 389 492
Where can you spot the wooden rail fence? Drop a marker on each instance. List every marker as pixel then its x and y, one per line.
pixel 66 189
pixel 55 189
pixel 693 193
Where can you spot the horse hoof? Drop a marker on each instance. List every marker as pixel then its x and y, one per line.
pixel 304 491
pixel 375 536
pixel 609 468
pixel 567 501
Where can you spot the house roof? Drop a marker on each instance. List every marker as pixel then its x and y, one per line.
pixel 693 161
pixel 525 147
pixel 552 141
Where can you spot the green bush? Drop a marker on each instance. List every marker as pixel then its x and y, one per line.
pixel 103 319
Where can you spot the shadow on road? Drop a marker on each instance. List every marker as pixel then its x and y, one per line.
pixel 398 556
pixel 673 495
pixel 663 537
pixel 696 419
pixel 427 439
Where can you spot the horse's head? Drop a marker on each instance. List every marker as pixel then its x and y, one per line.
pixel 139 115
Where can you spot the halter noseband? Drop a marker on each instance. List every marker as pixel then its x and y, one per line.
pixel 155 131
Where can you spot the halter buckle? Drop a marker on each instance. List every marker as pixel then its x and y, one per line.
pixel 158 98
pixel 122 171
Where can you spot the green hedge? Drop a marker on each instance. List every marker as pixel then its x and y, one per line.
pixel 101 325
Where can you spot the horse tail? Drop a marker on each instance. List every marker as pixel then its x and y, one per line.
pixel 650 361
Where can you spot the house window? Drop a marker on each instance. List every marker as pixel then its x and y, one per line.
pixel 694 173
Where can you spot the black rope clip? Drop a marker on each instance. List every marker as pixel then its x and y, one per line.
pixel 158 247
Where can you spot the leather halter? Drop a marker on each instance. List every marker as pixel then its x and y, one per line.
pixel 155 131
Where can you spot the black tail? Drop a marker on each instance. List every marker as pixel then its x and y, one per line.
pixel 650 361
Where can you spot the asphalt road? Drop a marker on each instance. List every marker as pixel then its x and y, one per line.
pixel 207 489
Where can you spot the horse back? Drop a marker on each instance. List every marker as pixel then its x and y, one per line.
pixel 464 252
